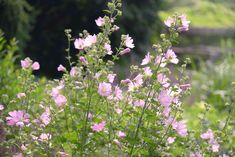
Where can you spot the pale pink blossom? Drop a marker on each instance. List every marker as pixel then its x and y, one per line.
pixel 138 80
pixel 164 98
pixel 128 41
pixel 171 56
pixel 61 68
pixel 44 137
pixel 63 154
pixel 98 127
pixel 148 71
pixel 224 155
pixel 125 51
pixel 170 140
pixel 160 60
pixel 35 66
pixel 115 28
pixel 45 117
pixel 121 134
pixel 108 49
pixel 166 111
pixel 215 146
pixel 100 21
pixel 73 72
pixel 26 63
pixel 1 107
pixel 169 22
pixel 111 77
pixel 105 89
pixel 184 23
pixel 60 100
pixel 163 80
pixel 118 110
pixel 18 155
pixel 118 93
pixel 20 95
pixel 18 118
pixel 23 147
pixel 180 128
pixel 196 154
pixel 83 60
pixel 146 59
pixel 139 103
pixel 118 143
pixel 207 135
pixel 79 43
pixel 89 40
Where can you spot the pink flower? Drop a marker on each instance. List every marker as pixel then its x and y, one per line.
pixel 170 55
pixel 108 49
pixel 125 51
pixel 100 21
pixel 63 153
pixel 164 98
pixel 23 147
pixel 148 71
pixel 147 59
pixel 105 89
pixel 98 127
pixel 83 60
pixel 185 86
pixel 44 137
pixel 197 154
pixel 170 140
pixel 128 41
pixel 163 80
pixel 18 155
pixel 207 135
pixel 111 77
pixel 118 93
pixel 89 40
pixel 18 118
pixel 61 68
pixel 35 66
pixel 224 155
pixel 166 111
pixel 180 128
pixel 138 80
pixel 73 72
pixel 121 134
pixel 118 110
pixel 1 107
pixel 139 103
pixel 169 22
pixel 20 95
pixel 118 143
pixel 60 100
pixel 160 60
pixel 79 44
pixel 185 23
pixel 26 63
pixel 45 117
pixel 214 146
pixel 115 28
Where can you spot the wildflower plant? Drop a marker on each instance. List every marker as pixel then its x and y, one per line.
pixel 89 112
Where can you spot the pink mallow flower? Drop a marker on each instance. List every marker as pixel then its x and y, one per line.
pixel 125 51
pixel 164 98
pixel 169 21
pixel 1 107
pixel 44 137
pixel 61 68
pixel 26 63
pixel 89 40
pixel 207 135
pixel 128 41
pixel 35 66
pixel 63 154
pixel 105 89
pixel 121 134
pixel 83 60
pixel 18 155
pixel 171 56
pixel 73 72
pixel 180 128
pixel 163 80
pixel 45 117
pixel 148 71
pixel 100 21
pixel 23 147
pixel 146 59
pixel 111 77
pixel 98 127
pixel 60 100
pixel 170 140
pixel 20 95
pixel 18 118
pixel 118 93
pixel 79 44
pixel 108 49
pixel 118 110
pixel 184 24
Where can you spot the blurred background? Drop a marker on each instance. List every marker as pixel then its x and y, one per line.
pixel 38 26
